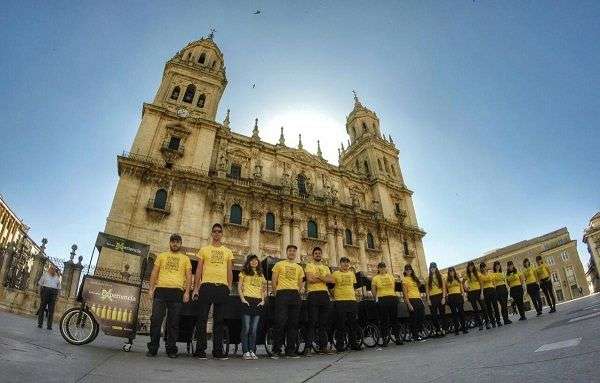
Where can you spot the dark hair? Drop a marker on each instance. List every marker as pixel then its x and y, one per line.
pixel 344 259
pixel 474 272
pixel 414 277
pixel 497 263
pixel 317 248
pixel 381 265
pixel 514 269
pixel 291 247
pixel 217 225
pixel 438 276
pixel 526 260
pixel 451 278
pixel 538 258
pixel 175 237
pixel 247 269
pixel 481 266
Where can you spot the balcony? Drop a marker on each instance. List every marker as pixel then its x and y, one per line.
pixel 242 224
pixel 171 153
pixel 150 206
pixel 401 214
pixel 276 231
pixel 318 238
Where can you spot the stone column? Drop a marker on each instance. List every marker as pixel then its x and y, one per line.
pixel 331 250
pixel 296 239
pixel 255 231
pixel 74 288
pixel 285 235
pixel 362 254
pixel 386 256
pixel 339 248
pixel 65 286
pixel 8 256
pixel 36 270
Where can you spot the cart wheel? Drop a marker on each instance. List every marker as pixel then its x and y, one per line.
pixel 126 347
pixel 78 326
pixel 370 335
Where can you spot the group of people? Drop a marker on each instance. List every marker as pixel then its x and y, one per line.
pixel 171 286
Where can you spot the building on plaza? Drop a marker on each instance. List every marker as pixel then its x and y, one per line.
pixel 560 253
pixel 591 237
pixel 186 171
pixel 12 228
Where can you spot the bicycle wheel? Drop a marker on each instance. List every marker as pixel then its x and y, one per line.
pixel 370 336
pixel 343 339
pixel 404 331
pixel 78 326
pixel 269 340
pixel 301 345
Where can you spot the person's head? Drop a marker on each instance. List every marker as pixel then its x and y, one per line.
pixel 251 266
pixel 434 273
pixel 175 242
pixel 526 262
pixel 452 273
pixel 217 233
pixel 290 252
pixel 381 268
pixel 497 267
pixel 482 267
pixel 344 264
pixel 510 267
pixel 408 270
pixel 51 270
pixel 471 270
pixel 539 260
pixel 317 254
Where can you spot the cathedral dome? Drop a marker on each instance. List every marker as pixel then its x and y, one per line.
pixel 361 121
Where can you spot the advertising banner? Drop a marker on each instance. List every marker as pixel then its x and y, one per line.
pixel 114 305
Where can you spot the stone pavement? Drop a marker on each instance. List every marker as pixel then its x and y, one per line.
pixel 567 344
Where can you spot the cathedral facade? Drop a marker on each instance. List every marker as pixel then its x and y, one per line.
pixel 185 171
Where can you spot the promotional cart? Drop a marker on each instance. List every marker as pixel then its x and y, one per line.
pixel 109 299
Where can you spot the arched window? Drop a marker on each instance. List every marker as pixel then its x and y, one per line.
pixel 405 243
pixel 302 185
pixel 312 229
pixel 393 169
pixel 365 129
pixel 189 93
pixel 213 64
pixel 202 58
pixel 366 167
pixel 270 221
pixel 235 214
pixel 235 171
pixel 189 55
pixel 175 93
pixel 160 199
pixel 174 143
pixel 379 163
pixel 353 133
pixel 357 167
pixel 385 164
pixel 348 237
pixel 370 241
pixel 201 100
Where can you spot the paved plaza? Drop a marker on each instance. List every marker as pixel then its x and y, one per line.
pixel 561 347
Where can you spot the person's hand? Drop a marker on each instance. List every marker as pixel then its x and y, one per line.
pixel 186 297
pixel 195 295
pixel 244 301
pixel 261 303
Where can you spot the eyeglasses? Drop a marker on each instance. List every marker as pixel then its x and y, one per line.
pixel 217 231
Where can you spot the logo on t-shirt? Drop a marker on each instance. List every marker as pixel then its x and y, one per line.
pixel 256 281
pixel 172 264
pixel 217 257
pixel 386 282
pixel 289 272
pixel 346 280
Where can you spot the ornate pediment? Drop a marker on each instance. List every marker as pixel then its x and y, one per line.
pixel 301 155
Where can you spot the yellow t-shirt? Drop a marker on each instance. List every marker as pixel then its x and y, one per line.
pixel 487 280
pixel 344 285
pixel 529 275
pixel 252 285
pixel 499 279
pixel 454 287
pixel 473 283
pixel 214 263
pixel 542 271
pixel 385 285
pixel 288 275
pixel 411 288
pixel 435 289
pixel 514 279
pixel 320 270
pixel 173 268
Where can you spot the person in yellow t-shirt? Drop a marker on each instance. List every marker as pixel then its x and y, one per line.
pixel 287 279
pixel 475 296
pixel 345 307
pixel 214 275
pixel 317 277
pixel 532 286
pixel 515 284
pixel 411 291
pixel 436 295
pixel 501 290
pixel 383 288
pixel 490 298
pixel 169 289
pixel 543 274
pixel 454 292
pixel 252 289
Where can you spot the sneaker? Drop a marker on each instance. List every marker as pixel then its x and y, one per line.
pixel 39 326
pixel 253 355
pixel 465 331
pixel 220 357
pixel 522 318
pixel 499 324
pixel 292 355
pixel 480 328
pixel 276 355
pixel 493 325
pixel 553 310
pixel 172 355
pixel 247 356
pixel 507 322
pixel 199 354
pixel 150 354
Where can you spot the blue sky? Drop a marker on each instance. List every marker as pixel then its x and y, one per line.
pixel 493 104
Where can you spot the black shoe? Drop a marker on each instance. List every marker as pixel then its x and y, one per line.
pixel 456 332
pixel 465 331
pixel 399 343
pixel 276 355
pixel 480 328
pixel 199 354
pixel 522 318
pixel 384 345
pixel 48 328
pixel 150 354
pixel 507 322
pixel 292 355
pixel 172 355
pixel 553 310
pixel 220 357
pixel 356 348
pixel 499 324
pixel 487 326
pixel 39 326
pixel 493 325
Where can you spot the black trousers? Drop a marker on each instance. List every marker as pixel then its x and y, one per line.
pixel 479 310
pixel 516 293
pixel 438 312
pixel 491 305
pixel 48 299
pixel 387 308
pixel 533 289
pixel 346 322
pixel 318 318
pixel 169 302
pixel 215 295
pixel 548 290
pixel 417 316
pixel 287 316
pixel 502 295
pixel 455 301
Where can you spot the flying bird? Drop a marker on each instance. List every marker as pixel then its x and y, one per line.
pixel 257 12
pixel 253 86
